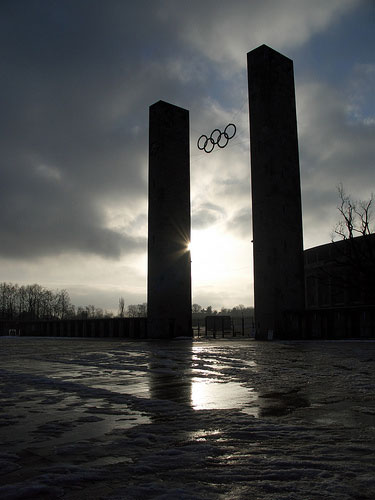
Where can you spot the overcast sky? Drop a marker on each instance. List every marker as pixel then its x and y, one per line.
pixel 76 81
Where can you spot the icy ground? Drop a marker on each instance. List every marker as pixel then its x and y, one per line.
pixel 91 419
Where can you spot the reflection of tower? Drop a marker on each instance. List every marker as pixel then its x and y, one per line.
pixel 276 191
pixel 169 267
pixel 169 372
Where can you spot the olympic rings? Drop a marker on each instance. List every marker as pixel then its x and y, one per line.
pixel 217 138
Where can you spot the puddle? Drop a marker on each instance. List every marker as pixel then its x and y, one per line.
pixel 211 395
pixel 215 395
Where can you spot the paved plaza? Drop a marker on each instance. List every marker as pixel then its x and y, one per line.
pixel 230 419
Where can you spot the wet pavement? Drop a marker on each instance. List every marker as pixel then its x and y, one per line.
pixel 113 419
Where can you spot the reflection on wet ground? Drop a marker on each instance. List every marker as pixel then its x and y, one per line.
pixel 211 395
pixel 157 412
pixel 258 379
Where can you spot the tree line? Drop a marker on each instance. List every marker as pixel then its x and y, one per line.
pixel 200 312
pixel 35 302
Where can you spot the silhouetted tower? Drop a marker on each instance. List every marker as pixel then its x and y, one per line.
pixel 169 264
pixel 276 191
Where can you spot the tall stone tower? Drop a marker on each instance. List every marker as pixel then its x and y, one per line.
pixel 169 263
pixel 276 191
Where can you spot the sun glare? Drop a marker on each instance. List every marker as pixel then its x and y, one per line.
pixel 210 254
pixel 221 266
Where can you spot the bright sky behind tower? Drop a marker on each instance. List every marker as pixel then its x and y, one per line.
pixel 77 79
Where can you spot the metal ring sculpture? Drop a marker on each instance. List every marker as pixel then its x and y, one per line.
pixel 217 138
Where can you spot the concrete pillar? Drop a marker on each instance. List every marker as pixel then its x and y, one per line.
pixel 169 265
pixel 276 191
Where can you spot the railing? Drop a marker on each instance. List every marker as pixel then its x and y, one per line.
pixel 237 327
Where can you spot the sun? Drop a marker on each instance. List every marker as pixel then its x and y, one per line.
pixel 221 266
pixel 210 254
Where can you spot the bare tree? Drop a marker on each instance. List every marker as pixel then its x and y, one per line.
pixel 355 216
pixel 121 307
pixel 81 313
pixel 132 310
pixel 63 305
pixel 12 300
pixel 48 301
pixel 22 300
pixel 99 313
pixel 350 270
pixel 137 310
pixel 142 310
pixel 90 311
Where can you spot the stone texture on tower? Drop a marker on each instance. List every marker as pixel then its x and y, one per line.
pixel 276 191
pixel 169 263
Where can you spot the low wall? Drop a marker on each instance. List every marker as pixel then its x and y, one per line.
pixel 98 328
pixel 332 323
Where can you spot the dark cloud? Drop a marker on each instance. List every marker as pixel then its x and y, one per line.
pixel 74 124
pixel 50 219
pixel 225 32
pixel 78 78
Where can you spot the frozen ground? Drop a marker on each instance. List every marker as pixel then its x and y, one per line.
pixel 91 419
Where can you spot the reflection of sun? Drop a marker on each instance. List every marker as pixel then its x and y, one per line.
pixel 212 394
pixel 200 395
